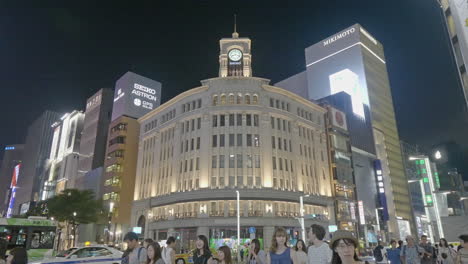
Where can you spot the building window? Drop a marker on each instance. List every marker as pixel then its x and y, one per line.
pixel 279 143
pixel 254 99
pixel 274 163
pixel 117 140
pixel 280 162
pixel 278 123
pixel 257 161
pixel 215 100
pixel 199 123
pixel 285 144
pixel 221 161
pixel 248 118
pixel 215 141
pixel 239 140
pixel 198 142
pixel 191 144
pixel 199 101
pixel 272 119
pixel 249 140
pixel 223 99
pixel 215 121
pixel 247 99
pixel 231 120
pixel 239 119
pixel 197 164
pixel 249 161
pixel 272 102
pixel 239 161
pixel 273 141
pixel 193 124
pixel 256 140
pixel 221 140
pixel 187 126
pixel 256 120
pixel 231 140
pixel 119 127
pixel 191 164
pixel 232 181
pixel 214 162
pixel 231 160
pixel 231 99
pixel 239 98
pixel 222 120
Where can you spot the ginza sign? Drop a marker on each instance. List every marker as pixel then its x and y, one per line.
pixel 339 36
pixel 145 92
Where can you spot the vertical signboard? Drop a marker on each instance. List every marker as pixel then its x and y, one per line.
pixel 135 96
pixel 362 216
pixel 14 180
pixel 381 188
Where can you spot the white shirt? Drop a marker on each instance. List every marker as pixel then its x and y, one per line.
pixel 167 255
pixel 319 255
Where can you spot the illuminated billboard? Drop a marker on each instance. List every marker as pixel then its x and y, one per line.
pixel 14 180
pixel 347 81
pixel 135 96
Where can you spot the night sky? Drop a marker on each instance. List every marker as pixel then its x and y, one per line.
pixel 56 58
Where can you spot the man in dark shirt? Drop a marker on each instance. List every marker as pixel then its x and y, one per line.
pixel 427 257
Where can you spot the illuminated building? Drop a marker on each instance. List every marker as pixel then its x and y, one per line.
pixel 62 166
pixel 13 156
pixel 364 163
pixel 353 61
pixel 435 202
pixel 341 169
pixel 134 96
pixel 234 132
pixel 454 15
pixel 33 169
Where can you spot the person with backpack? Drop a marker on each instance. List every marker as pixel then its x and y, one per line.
pixel 379 253
pixel 138 253
pixel 411 253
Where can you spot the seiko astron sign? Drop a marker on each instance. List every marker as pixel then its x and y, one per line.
pixel 135 96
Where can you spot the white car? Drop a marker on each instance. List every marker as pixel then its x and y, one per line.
pixel 89 254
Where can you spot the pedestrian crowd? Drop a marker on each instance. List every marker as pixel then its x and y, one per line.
pixel 341 249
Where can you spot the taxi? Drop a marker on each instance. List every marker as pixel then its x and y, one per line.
pixel 183 258
pixel 90 254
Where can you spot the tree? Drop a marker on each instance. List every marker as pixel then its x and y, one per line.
pixel 73 207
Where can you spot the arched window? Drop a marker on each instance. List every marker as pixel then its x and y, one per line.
pixel 223 99
pixel 231 98
pixel 247 99
pixel 255 99
pixel 215 100
pixel 239 98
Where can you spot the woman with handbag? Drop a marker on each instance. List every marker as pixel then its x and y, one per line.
pixel 446 254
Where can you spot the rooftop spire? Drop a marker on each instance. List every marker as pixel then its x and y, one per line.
pixel 235 34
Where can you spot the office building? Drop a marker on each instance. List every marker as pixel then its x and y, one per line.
pixel 233 133
pixel 62 165
pixel 12 156
pixel 353 61
pixel 36 152
pixel 93 139
pixel 134 96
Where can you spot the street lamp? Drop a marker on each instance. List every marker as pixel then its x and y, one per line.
pixel 301 200
pixel 238 225
pixel 111 207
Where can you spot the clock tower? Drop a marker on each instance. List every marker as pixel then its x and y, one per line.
pixel 234 56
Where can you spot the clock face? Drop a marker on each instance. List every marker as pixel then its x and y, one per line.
pixel 235 54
